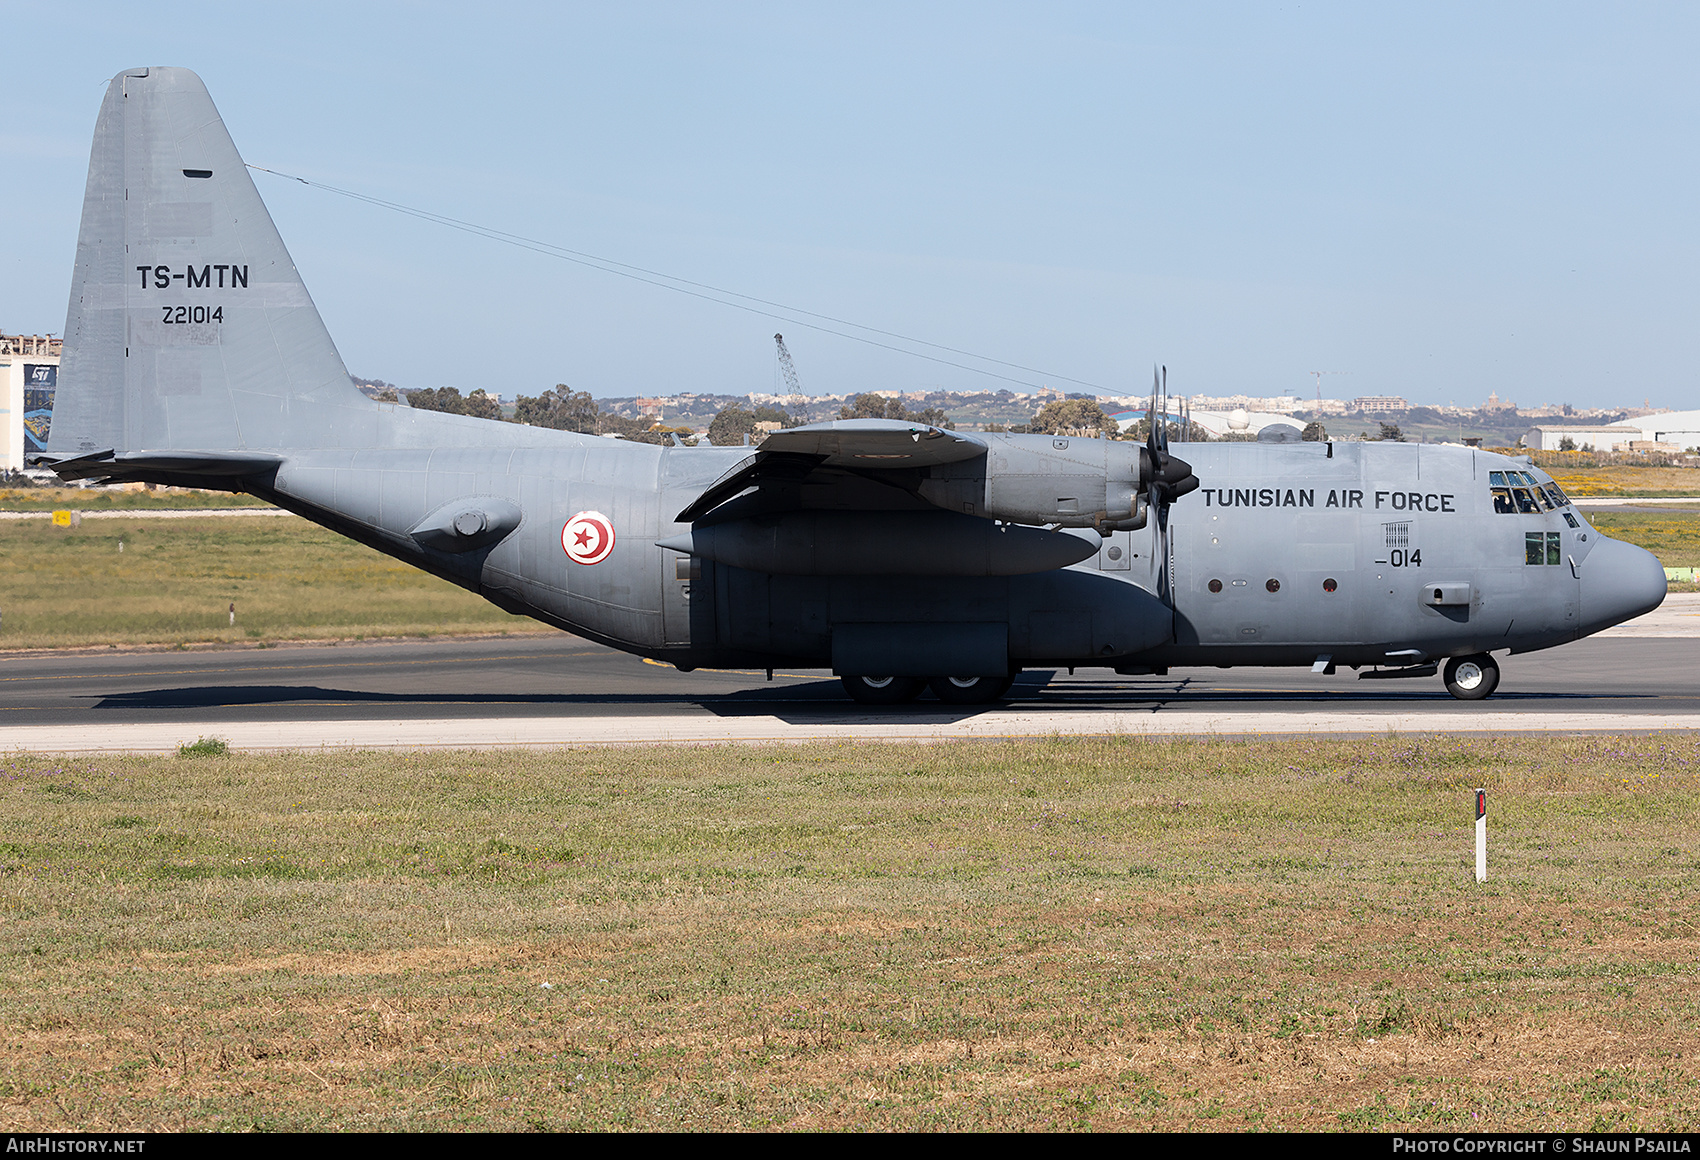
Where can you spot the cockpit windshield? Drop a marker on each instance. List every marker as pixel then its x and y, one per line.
pixel 1524 493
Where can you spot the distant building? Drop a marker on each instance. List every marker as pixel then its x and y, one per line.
pixel 1548 437
pixel 1662 431
pixel 29 374
pixel 1375 403
pixel 1681 428
pixel 1218 424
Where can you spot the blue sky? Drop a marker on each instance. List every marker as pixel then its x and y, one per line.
pixel 1440 200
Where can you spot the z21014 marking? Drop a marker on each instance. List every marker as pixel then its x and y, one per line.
pixel 184 315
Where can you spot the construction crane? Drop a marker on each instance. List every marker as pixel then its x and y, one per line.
pixel 785 367
pixel 1319 375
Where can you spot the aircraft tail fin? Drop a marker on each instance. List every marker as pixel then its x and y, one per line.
pixel 189 328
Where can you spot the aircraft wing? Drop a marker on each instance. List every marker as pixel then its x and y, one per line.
pixel 865 447
pixel 874 443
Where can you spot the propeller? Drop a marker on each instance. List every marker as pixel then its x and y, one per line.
pixel 1171 477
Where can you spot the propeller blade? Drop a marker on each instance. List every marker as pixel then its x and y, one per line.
pixel 1162 427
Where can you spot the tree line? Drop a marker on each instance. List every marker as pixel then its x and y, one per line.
pixel 560 408
pixel 565 409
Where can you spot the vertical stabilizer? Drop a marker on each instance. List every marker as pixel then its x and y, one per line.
pixel 189 328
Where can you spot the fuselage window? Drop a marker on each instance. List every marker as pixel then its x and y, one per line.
pixel 1542 547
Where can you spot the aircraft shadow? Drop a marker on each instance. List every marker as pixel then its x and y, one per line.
pixel 817 702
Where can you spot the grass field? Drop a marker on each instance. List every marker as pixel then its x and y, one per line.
pixel 1090 933
pixel 175 580
pixel 1627 481
pixel 43 499
pixel 1674 537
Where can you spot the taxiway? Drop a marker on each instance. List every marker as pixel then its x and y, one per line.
pixel 554 690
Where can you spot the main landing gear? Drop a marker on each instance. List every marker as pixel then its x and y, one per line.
pixel 883 690
pixel 1471 678
pixel 950 690
pixel 969 690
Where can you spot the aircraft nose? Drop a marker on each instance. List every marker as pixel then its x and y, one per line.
pixel 1619 582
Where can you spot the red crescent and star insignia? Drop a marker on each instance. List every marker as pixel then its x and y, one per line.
pixel 588 538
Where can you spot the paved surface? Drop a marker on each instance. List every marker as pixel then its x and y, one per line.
pixel 150 513
pixel 551 690
pixel 1684 505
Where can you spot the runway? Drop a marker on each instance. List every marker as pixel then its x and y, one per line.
pixel 557 690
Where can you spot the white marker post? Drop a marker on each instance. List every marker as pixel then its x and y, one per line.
pixel 1481 835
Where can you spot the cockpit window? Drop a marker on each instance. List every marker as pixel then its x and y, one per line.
pixel 1542 548
pixel 1524 493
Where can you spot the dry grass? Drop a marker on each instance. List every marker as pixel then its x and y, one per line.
pixel 1068 934
pixel 1623 481
pixel 97 499
pixel 1674 537
pixel 174 582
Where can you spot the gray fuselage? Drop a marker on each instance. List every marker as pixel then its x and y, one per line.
pixel 1314 549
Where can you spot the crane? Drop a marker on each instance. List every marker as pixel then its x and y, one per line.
pixel 785 367
pixel 1319 375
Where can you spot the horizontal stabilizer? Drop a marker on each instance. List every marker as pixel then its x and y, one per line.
pixel 152 466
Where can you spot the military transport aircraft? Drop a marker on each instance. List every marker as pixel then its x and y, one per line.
pixel 900 556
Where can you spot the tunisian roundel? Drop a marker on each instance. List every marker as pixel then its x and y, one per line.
pixel 588 538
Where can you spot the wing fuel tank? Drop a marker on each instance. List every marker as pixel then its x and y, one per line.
pixel 826 543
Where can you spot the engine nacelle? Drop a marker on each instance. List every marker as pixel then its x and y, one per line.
pixel 1050 479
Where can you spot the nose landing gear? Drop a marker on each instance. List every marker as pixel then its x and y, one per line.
pixel 1471 678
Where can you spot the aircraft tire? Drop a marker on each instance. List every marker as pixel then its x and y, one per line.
pixel 1472 678
pixel 883 690
pixel 969 690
